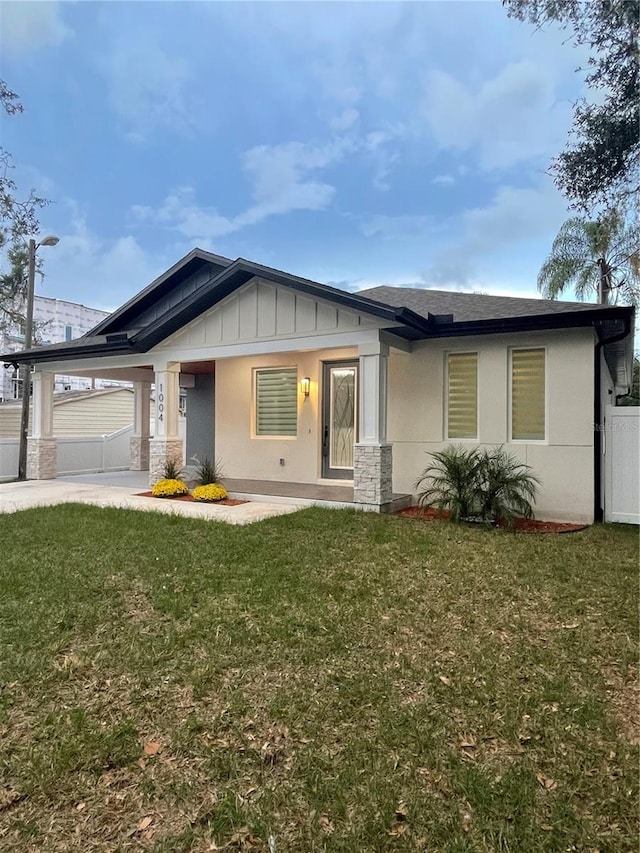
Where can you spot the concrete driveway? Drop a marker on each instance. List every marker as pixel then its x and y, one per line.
pixel 34 493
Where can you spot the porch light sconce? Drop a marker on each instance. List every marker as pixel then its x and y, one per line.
pixel 305 385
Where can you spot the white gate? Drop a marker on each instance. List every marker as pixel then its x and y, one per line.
pixel 621 446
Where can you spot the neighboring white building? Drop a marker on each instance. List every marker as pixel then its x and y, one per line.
pixel 56 321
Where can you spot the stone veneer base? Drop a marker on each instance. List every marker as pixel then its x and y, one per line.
pixel 42 459
pixel 161 450
pixel 372 475
pixel 138 453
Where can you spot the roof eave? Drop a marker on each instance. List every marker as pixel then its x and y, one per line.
pixel 46 354
pixel 534 322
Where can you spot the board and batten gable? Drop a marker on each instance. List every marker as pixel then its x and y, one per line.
pixel 563 461
pixel 177 294
pixel 262 311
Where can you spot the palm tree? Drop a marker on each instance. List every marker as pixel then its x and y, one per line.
pixel 601 257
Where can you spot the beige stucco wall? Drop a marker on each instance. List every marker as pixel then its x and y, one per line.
pixel 416 415
pixel 564 462
pixel 244 456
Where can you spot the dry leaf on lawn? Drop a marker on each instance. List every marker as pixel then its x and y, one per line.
pixel 152 747
pixel 545 782
pixel 326 825
pixel 145 823
pixel 401 812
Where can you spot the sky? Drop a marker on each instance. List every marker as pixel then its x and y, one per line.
pixel 355 144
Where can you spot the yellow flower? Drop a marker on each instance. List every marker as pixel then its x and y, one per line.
pixel 212 492
pixel 169 489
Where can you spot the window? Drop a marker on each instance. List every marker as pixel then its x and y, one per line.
pixel 528 394
pixel 462 395
pixel 68 333
pixel 277 401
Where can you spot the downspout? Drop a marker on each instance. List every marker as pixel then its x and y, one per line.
pixel 597 416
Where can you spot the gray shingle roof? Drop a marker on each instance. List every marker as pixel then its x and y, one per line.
pixel 469 306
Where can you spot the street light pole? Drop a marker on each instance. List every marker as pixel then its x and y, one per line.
pixel 28 340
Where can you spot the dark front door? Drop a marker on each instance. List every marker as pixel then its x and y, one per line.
pixel 339 418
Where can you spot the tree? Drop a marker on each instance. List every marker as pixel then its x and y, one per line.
pixel 633 397
pixel 587 253
pixel 18 221
pixel 601 162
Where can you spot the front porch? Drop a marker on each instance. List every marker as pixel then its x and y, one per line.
pixel 285 385
pixel 329 446
pixel 263 491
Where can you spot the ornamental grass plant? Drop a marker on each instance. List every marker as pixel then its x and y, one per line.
pixel 173 469
pixel 207 472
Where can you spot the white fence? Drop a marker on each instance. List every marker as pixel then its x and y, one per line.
pixel 621 446
pixel 84 454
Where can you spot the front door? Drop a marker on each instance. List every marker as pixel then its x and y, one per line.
pixel 339 418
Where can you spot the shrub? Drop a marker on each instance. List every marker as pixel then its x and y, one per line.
pixel 209 493
pixel 170 487
pixel 207 472
pixel 507 488
pixel 452 482
pixel 172 469
pixel 478 485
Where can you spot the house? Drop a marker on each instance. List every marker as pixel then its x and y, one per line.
pixel 291 381
pixel 56 320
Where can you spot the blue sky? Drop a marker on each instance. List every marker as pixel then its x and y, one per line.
pixel 356 144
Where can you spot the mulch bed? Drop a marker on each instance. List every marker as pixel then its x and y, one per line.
pixel 522 525
pixel 189 499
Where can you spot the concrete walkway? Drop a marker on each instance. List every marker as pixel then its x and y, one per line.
pixel 34 493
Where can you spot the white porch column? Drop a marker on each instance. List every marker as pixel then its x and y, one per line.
pixel 166 443
pixel 41 444
pixel 372 467
pixel 139 443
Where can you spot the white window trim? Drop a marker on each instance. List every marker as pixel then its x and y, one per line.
pixel 254 403
pixel 511 439
pixel 469 440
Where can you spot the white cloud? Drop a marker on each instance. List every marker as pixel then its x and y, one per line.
pixel 511 118
pixel 345 120
pixel 282 179
pixel 96 271
pixel 149 88
pixel 443 180
pixel 27 27
pixel 514 218
pixel 181 212
pixel 394 227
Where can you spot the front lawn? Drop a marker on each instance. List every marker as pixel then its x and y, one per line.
pixel 333 680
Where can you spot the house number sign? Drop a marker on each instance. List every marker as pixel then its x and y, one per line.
pixel 161 403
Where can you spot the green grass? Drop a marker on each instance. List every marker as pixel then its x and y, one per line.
pixel 339 681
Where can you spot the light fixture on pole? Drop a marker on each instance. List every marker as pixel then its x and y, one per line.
pixel 49 240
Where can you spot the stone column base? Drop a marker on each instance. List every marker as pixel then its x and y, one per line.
pixel 139 453
pixel 42 459
pixel 161 450
pixel 372 472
